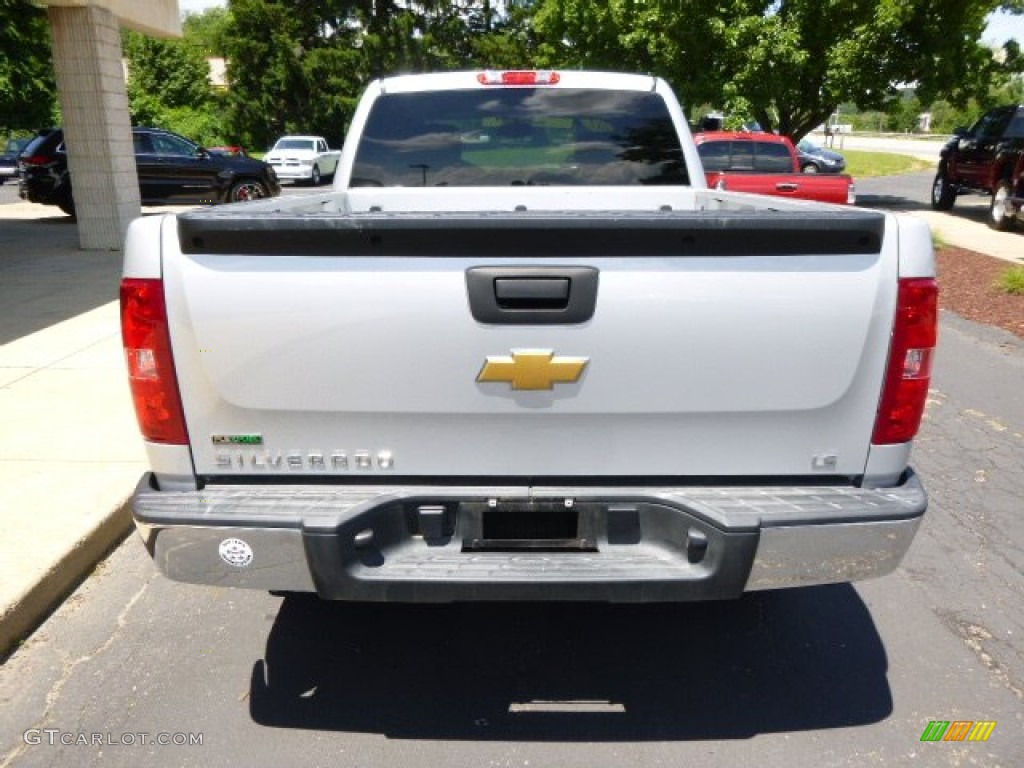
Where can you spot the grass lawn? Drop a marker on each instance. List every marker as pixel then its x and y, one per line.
pixel 861 164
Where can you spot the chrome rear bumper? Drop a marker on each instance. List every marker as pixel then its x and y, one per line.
pixel 433 544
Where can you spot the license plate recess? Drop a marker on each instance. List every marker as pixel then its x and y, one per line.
pixel 507 526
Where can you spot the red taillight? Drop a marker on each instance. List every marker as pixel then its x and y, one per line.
pixel 147 350
pixel 519 77
pixel 35 160
pixel 910 361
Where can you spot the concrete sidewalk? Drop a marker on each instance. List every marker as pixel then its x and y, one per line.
pixel 965 227
pixel 70 451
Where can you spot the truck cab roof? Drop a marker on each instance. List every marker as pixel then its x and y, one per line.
pixel 447 81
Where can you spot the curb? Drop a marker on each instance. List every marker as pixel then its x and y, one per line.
pixel 62 578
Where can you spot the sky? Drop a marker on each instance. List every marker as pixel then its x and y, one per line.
pixel 198 6
pixel 1001 26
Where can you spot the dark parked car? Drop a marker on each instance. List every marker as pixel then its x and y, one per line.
pixel 988 158
pixel 9 158
pixel 817 159
pixel 172 170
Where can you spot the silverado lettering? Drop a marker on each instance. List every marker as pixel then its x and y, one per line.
pixel 312 461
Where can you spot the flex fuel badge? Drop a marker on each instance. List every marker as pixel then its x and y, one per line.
pixel 237 439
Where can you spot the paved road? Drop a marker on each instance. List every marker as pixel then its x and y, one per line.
pixel 922 148
pixel 906 192
pixel 830 676
pixel 911 192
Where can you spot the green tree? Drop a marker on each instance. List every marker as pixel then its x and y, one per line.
pixel 792 61
pixel 285 73
pixel 507 42
pixel 206 31
pixel 300 65
pixel 169 87
pixel 946 117
pixel 904 112
pixel 28 93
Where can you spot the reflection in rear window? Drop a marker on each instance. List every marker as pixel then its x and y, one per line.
pixel 519 136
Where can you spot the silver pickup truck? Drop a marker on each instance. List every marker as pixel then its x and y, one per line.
pixel 521 352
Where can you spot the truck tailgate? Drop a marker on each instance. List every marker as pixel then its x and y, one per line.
pixel 717 343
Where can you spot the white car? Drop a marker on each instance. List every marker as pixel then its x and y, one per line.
pixel 303 158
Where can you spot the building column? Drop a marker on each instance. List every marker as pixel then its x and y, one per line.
pixel 97 125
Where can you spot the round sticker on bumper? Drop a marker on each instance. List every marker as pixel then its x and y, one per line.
pixel 235 552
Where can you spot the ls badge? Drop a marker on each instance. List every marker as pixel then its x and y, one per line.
pixel 532 369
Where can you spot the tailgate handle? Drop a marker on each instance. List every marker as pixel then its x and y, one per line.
pixel 541 295
pixel 787 186
pixel 532 292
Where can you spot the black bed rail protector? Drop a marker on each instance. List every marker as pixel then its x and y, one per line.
pixel 586 234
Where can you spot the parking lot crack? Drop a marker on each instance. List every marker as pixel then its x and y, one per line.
pixel 68 667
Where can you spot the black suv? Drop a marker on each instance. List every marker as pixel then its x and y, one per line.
pixel 988 158
pixel 172 170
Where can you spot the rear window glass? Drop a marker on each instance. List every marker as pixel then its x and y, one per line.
pixel 36 144
pixel 773 158
pixel 519 136
pixel 749 156
pixel 303 144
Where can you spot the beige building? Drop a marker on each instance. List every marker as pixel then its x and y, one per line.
pixel 94 103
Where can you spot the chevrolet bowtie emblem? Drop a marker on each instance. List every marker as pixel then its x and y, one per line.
pixel 532 369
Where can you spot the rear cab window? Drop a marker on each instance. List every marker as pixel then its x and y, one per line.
pixel 745 156
pixel 519 136
pixel 301 144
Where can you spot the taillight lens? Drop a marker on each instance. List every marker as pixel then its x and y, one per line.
pixel 910 362
pixel 147 350
pixel 519 77
pixel 35 160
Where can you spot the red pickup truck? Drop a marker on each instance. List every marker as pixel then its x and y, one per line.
pixel 766 164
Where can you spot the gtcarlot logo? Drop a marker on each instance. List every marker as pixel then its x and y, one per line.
pixel 54 736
